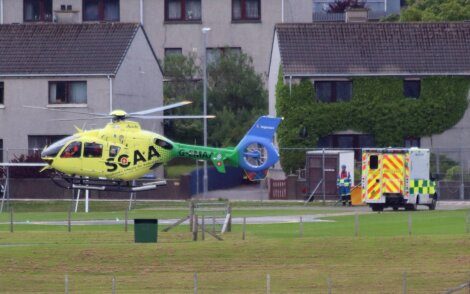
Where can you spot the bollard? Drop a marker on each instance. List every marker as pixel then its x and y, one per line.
pixel 126 219
pixel 244 228
pixel 301 228
pixel 410 224
pixel 268 284
pixel 203 226
pixel 11 219
pixel 195 283
pixel 356 225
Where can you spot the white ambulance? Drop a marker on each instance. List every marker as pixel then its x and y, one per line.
pixel 397 177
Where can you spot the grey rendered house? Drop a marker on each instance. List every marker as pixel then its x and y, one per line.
pixel 174 26
pixel 333 55
pixel 76 68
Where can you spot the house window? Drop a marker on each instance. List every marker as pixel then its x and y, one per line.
pixel 246 9
pixel 173 51
pixel 412 142
pixel 412 88
pixel 214 54
pixel 182 10
pixel 37 10
pixel 67 92
pixel 100 10
pixel 2 93
pixel 38 142
pixel 333 91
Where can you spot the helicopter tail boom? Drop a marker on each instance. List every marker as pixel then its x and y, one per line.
pixel 255 153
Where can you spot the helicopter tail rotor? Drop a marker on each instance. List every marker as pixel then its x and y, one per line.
pixel 256 151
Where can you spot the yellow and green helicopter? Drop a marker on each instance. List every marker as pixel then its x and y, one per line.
pixel 113 157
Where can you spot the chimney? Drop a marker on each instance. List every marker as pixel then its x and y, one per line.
pixel 359 14
pixel 66 15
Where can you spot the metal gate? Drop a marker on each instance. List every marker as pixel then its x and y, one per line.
pixel 278 189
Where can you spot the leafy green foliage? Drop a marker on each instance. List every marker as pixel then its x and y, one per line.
pixel 377 107
pixel 436 10
pixel 236 97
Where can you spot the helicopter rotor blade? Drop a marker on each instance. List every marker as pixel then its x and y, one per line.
pixel 161 108
pixel 67 111
pixel 173 116
pixel 82 118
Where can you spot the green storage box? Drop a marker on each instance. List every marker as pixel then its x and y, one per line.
pixel 145 230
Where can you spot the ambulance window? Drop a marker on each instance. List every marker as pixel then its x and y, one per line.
pixel 163 144
pixel 373 162
pixel 93 150
pixel 113 150
pixel 73 150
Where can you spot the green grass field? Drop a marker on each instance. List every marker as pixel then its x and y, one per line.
pixel 36 258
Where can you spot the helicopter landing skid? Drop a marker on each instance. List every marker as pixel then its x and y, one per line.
pixel 81 183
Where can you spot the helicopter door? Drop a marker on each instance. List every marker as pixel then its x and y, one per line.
pixel 70 158
pixel 93 159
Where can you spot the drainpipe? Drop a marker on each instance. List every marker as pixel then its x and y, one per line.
pixel 110 93
pixel 282 11
pixel 1 11
pixel 142 12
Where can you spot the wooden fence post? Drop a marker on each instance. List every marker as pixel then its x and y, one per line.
pixel 195 283
pixel 268 284
pixel 244 228
pixel 301 227
pixel 126 219
pixel 195 227
pixel 69 221
pixel 410 224
pixel 203 226
pixel 191 215
pixel 229 225
pixel 114 285
pixel 11 219
pixel 404 283
pixel 66 282
pixel 356 224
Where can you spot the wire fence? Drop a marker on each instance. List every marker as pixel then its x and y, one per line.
pixel 449 166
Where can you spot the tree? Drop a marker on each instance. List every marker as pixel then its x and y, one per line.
pixel 436 10
pixel 181 73
pixel 236 96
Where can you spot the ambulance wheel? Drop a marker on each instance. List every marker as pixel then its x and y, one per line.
pixel 432 206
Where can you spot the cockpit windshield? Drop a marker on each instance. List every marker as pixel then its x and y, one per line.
pixel 54 149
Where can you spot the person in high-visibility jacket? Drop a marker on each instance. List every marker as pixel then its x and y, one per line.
pixel 344 185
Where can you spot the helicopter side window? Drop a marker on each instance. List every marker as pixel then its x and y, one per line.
pixel 163 144
pixel 113 150
pixel 93 150
pixel 73 150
